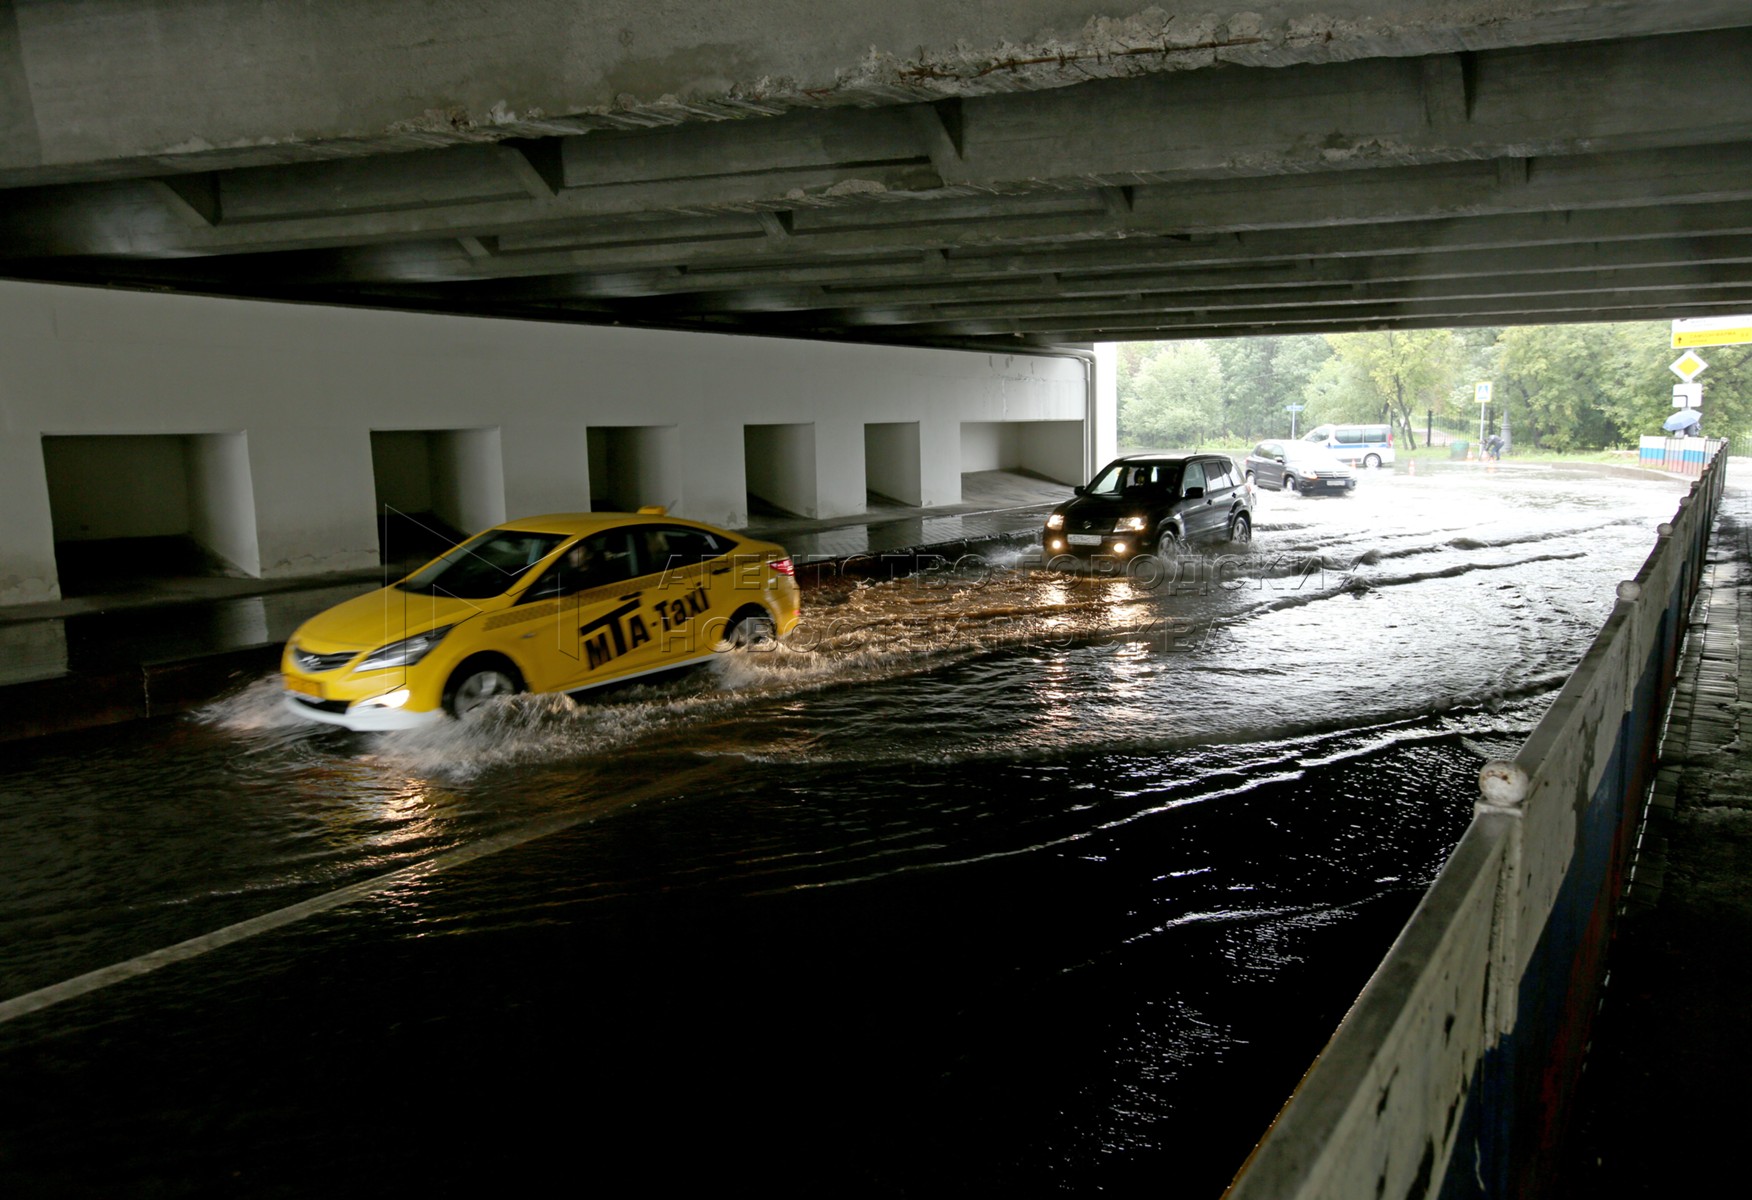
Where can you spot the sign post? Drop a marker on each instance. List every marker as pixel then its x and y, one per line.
pixel 1293 409
pixel 1481 393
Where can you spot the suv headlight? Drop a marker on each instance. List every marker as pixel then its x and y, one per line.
pixel 406 652
pixel 1056 521
pixel 1131 525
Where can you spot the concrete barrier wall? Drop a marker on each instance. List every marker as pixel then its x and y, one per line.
pixel 508 410
pixel 1452 1074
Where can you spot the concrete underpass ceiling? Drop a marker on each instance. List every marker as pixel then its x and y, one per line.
pixel 1034 174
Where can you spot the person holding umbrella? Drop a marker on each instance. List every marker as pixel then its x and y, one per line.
pixel 1685 422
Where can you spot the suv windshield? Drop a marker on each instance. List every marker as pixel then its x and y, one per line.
pixel 1137 480
pixel 485 565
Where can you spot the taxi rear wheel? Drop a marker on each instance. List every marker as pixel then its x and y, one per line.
pixel 751 629
pixel 1241 530
pixel 478 681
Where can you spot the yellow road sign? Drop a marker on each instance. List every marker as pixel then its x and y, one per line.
pixel 1711 331
pixel 1687 365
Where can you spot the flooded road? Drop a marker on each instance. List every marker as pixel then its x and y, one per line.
pixel 991 877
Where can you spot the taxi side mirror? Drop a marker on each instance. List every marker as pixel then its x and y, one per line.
pixel 1194 493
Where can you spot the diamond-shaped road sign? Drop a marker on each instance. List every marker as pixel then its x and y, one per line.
pixel 1687 366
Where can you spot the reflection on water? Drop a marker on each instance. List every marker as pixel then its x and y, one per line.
pixel 992 877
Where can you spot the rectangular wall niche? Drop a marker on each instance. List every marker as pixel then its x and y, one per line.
pixel 891 463
pixel 1050 449
pixel 632 466
pixel 134 507
pixel 434 488
pixel 779 463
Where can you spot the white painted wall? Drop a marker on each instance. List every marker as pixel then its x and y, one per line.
pixel 779 461
pixel 988 446
pixel 1051 448
pixel 303 386
pixel 893 465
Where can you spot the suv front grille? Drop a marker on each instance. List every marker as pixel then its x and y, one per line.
pixel 308 661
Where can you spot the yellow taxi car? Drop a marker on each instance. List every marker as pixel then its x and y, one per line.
pixel 559 603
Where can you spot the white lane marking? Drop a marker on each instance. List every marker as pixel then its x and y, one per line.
pixel 92 981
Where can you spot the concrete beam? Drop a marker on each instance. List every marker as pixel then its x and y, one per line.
pixel 332 78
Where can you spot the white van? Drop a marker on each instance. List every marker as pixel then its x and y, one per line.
pixel 1359 445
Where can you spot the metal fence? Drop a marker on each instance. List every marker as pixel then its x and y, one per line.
pixel 1453 1072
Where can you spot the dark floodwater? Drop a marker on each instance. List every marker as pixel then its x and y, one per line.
pixel 995 879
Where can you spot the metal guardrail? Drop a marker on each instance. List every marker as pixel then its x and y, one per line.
pixel 1454 1071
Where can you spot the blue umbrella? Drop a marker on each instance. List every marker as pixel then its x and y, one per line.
pixel 1682 419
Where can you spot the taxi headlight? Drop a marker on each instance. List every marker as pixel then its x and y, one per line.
pixel 393 699
pixel 1130 525
pixel 1056 521
pixel 406 652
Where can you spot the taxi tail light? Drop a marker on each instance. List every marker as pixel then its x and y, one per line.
pixel 783 566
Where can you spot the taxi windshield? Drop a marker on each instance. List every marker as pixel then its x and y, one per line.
pixel 486 565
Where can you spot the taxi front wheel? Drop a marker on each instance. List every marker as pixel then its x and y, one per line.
pixel 477 681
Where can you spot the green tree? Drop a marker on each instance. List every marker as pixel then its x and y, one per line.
pixel 1173 399
pixel 1405 370
pixel 1643 396
pixel 1559 381
pixel 1260 376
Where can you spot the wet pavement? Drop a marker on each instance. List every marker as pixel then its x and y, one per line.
pixel 995 878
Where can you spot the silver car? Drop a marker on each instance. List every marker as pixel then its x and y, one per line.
pixel 1298 467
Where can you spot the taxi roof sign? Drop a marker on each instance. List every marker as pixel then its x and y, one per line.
pixel 1687 366
pixel 1711 331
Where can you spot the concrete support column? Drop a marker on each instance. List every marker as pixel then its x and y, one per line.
pixel 892 460
pixel 1106 432
pixel 468 478
pixel 27 552
pixel 222 515
pixel 939 432
pixel 839 466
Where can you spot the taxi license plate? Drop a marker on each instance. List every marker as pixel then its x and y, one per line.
pixel 304 687
pixel 1083 539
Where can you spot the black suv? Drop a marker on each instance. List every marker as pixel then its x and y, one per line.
pixel 1152 503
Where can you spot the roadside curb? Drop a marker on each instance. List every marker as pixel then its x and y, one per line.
pixel 88 700
pixel 908 560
